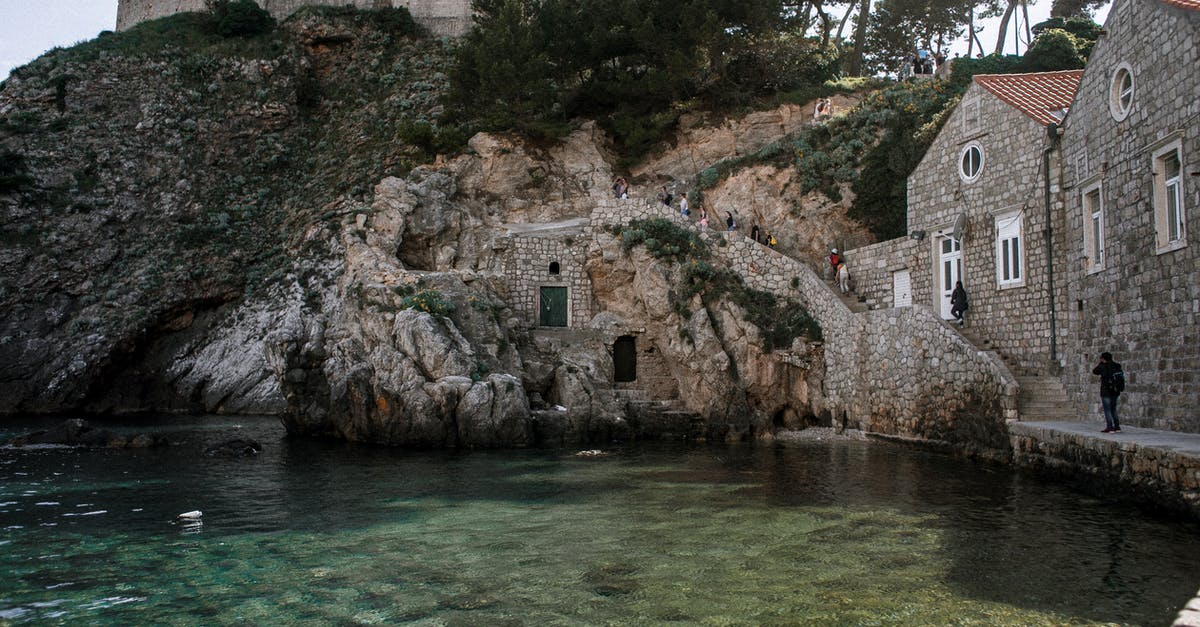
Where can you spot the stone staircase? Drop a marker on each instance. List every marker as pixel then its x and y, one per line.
pixel 852 300
pixel 662 418
pixel 1043 399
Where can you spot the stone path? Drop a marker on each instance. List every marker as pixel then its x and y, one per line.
pixel 540 227
pixel 1176 442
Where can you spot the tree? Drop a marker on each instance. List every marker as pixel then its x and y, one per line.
pixel 1054 49
pixel 854 63
pixel 239 18
pixel 536 64
pixel 503 75
pixel 899 27
pixel 1009 11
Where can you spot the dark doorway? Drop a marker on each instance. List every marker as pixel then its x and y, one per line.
pixel 553 307
pixel 625 359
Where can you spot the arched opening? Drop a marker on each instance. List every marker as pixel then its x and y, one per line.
pixel 625 359
pixel 554 268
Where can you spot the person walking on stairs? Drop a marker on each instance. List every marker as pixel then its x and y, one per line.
pixel 1112 383
pixel 834 259
pixel 958 303
pixel 843 277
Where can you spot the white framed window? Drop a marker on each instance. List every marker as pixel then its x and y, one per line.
pixel 1170 223
pixel 1092 198
pixel 1010 251
pixel 1120 92
pixel 970 162
pixel 970 118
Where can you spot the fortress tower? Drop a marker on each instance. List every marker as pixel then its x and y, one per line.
pixel 450 18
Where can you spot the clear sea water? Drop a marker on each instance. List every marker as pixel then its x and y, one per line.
pixel 813 532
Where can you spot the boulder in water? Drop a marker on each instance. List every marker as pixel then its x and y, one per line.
pixel 236 447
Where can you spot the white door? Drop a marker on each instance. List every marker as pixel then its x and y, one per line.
pixel 950 270
pixel 901 288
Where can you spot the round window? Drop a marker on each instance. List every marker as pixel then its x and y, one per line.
pixel 1120 97
pixel 971 162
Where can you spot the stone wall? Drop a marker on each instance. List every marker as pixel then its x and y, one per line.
pixel 1014 317
pixel 896 371
pixel 451 18
pixel 1145 470
pixel 872 267
pixel 1144 305
pixel 526 261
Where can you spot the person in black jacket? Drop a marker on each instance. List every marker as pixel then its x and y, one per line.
pixel 1112 383
pixel 958 302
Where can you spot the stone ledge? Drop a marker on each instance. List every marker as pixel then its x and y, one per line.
pixel 1161 468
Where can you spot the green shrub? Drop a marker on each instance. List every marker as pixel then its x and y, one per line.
pixel 664 240
pixel 428 300
pixel 239 18
pixel 780 321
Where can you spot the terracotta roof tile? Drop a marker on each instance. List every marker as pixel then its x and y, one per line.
pixel 1184 4
pixel 1037 95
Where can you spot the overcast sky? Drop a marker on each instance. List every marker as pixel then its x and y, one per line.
pixel 30 27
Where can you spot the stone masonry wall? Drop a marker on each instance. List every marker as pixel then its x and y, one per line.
pixel 526 264
pixel 1144 305
pixel 898 371
pixel 451 18
pixel 1015 318
pixel 1151 472
pixel 871 269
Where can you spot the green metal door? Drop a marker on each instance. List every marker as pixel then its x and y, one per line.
pixel 553 307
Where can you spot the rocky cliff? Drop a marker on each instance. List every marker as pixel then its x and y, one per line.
pixel 239 229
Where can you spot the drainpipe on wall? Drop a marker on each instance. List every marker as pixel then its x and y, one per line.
pixel 1053 131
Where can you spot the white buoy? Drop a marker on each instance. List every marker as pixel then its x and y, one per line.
pixel 189 516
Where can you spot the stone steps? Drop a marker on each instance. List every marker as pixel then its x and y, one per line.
pixel 1043 398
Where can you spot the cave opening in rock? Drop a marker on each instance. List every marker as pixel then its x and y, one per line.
pixel 625 359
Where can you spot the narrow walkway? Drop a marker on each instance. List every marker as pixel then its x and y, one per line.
pixel 1179 443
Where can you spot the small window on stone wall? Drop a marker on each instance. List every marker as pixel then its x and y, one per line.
pixel 970 164
pixel 1093 230
pixel 1169 219
pixel 1010 252
pixel 554 269
pixel 1120 93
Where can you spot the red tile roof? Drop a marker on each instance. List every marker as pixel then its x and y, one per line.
pixel 1037 95
pixel 1184 4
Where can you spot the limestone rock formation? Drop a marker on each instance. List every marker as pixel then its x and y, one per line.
pixel 806 224
pixel 220 233
pixel 716 357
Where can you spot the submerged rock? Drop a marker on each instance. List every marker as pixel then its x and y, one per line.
pixel 236 447
pixel 77 432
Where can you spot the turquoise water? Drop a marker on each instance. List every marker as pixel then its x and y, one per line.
pixel 820 532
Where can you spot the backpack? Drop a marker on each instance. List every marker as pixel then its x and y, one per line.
pixel 1117 382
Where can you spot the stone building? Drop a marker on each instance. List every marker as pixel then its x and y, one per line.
pixel 1132 168
pixel 978 208
pixel 450 18
pixel 544 274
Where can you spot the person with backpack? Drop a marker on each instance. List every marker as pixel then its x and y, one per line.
pixel 1112 383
